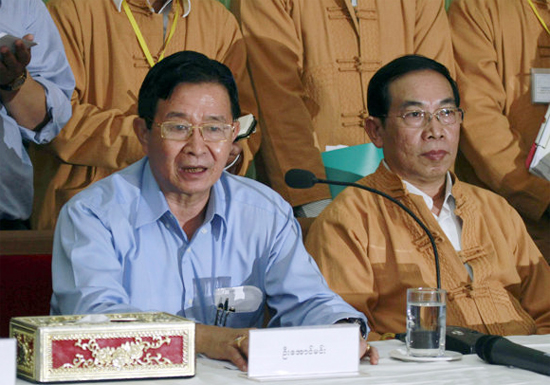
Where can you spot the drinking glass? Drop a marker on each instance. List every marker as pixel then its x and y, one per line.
pixel 426 319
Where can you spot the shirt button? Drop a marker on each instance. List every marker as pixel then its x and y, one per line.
pixel 204 231
pixel 190 302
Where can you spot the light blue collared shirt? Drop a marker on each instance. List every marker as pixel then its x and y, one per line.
pixel 118 248
pixel 50 68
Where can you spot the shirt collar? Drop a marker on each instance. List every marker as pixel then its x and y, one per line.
pixel 428 199
pixel 186 6
pixel 217 205
pixel 153 204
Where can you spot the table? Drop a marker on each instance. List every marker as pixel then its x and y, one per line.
pixel 470 370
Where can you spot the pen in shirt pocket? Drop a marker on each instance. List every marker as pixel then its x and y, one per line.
pixel 222 311
pixel 226 313
pixel 219 314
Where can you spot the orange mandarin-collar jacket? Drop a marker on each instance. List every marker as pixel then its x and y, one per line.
pixel 496 43
pixel 370 251
pixel 311 62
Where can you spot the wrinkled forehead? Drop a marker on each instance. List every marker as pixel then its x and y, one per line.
pixel 196 102
pixel 424 89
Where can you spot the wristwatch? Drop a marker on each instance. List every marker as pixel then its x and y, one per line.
pixel 16 83
pixel 358 321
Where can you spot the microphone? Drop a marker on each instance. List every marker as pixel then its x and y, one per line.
pixel 501 351
pixel 297 178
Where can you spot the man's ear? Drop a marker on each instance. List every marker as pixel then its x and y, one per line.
pixel 142 132
pixel 236 128
pixel 373 128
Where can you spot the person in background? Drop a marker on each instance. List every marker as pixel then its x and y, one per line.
pixel 496 44
pixel 311 62
pixel 496 279
pixel 35 88
pixel 173 232
pixel 111 44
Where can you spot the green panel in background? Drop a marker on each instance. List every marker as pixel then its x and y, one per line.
pixel 349 164
pixel 227 3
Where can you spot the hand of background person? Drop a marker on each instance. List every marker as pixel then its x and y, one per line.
pixel 27 104
pixel 223 343
pixel 12 64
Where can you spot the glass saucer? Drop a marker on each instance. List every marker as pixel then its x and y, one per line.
pixel 401 354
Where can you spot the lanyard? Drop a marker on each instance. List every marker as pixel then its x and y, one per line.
pixel 140 38
pixel 538 16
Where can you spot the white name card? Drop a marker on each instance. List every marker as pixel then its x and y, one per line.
pixel 7 361
pixel 303 352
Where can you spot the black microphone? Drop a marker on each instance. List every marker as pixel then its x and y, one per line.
pixel 501 351
pixel 297 178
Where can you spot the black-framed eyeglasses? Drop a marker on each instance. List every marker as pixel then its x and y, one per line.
pixel 182 131
pixel 420 118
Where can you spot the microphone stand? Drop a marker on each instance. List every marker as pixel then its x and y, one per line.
pixel 407 210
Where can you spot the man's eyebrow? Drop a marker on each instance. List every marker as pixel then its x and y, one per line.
pixel 175 114
pixel 215 118
pixel 448 101
pixel 414 103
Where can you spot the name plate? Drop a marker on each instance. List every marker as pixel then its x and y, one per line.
pixel 303 352
pixel 7 361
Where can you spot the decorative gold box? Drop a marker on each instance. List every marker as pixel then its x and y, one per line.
pixel 110 346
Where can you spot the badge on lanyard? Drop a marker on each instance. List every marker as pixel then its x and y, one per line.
pixel 540 77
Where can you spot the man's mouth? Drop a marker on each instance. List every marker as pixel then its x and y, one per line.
pixel 435 154
pixel 193 170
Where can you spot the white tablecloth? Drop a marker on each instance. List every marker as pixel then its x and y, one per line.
pixel 469 370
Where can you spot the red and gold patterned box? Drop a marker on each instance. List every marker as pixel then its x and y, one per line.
pixel 110 346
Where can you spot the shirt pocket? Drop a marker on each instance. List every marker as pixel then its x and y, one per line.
pixel 244 319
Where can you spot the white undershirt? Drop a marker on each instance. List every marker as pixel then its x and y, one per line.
pixel 449 222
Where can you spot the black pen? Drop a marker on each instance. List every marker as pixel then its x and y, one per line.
pixel 224 314
pixel 219 314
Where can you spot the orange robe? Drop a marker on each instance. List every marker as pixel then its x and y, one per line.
pixel 311 62
pixel 496 43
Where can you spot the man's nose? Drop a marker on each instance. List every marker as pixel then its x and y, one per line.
pixel 435 128
pixel 195 143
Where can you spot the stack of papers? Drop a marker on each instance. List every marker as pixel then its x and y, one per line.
pixel 538 160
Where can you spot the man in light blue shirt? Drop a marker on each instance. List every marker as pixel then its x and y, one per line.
pixel 174 232
pixel 34 101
